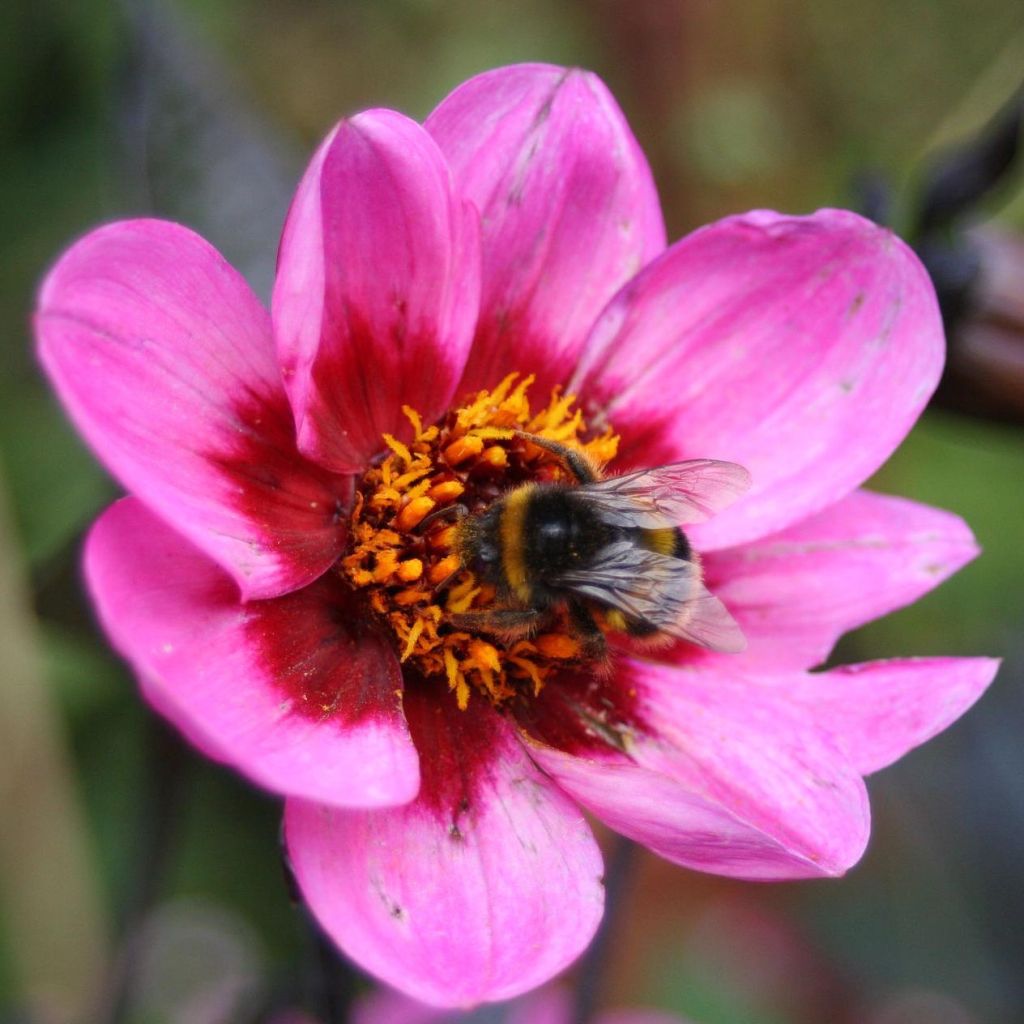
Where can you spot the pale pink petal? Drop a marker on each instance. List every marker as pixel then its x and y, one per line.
pixel 796 592
pixel 568 206
pixel 802 348
pixel 165 361
pixel 295 692
pixel 377 289
pixel 879 710
pixel 718 773
pixel 484 887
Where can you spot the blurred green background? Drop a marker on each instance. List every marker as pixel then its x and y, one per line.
pixel 204 111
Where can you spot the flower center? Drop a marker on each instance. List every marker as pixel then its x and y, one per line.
pixel 404 551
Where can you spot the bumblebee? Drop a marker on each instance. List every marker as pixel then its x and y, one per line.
pixel 604 554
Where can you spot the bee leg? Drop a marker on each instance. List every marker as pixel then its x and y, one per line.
pixel 587 630
pixel 457 512
pixel 503 622
pixel 573 460
pixel 440 588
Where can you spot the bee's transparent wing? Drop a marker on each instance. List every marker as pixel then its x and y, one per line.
pixel 707 623
pixel 653 588
pixel 673 495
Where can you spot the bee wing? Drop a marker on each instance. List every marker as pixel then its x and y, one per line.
pixel 653 588
pixel 673 495
pixel 707 623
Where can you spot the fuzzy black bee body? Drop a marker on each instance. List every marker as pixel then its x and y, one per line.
pixel 604 555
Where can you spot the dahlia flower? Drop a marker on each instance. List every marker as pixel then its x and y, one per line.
pixel 283 585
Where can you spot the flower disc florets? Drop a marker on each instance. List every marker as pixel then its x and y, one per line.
pixel 404 551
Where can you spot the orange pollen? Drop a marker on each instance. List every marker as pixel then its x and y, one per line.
pixel 403 549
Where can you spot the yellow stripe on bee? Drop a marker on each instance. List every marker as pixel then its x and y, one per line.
pixel 616 620
pixel 513 541
pixel 663 541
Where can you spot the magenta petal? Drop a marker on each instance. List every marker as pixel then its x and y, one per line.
pixel 377 289
pixel 726 775
pixel 568 206
pixel 879 710
pixel 802 348
pixel 165 361
pixel 796 592
pixel 292 691
pixel 484 887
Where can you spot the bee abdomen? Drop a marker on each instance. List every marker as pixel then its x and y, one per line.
pixel 619 622
pixel 667 541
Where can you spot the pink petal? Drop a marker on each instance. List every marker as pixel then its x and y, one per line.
pixel 722 774
pixel 377 288
pixel 796 592
pixel 484 887
pixel 879 710
pixel 296 692
pixel 568 205
pixel 164 359
pixel 802 348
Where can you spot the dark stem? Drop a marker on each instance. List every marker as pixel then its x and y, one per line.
pixel 162 792
pixel 336 983
pixel 593 970
pixel 332 984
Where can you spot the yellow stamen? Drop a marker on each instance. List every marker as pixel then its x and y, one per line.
pixel 485 654
pixel 495 456
pixel 414 418
pixel 462 449
pixel 557 645
pixel 409 570
pixel 444 540
pixel 494 433
pixel 443 570
pixel 398 448
pixel 413 513
pixel 446 491
pixel 410 641
pixel 387 563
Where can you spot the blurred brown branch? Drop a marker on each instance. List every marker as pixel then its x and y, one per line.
pixel 48 878
pixel 985 364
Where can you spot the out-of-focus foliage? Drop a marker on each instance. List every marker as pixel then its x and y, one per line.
pixel 204 110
